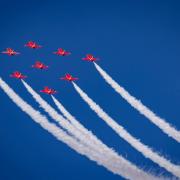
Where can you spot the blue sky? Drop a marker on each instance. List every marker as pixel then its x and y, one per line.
pixel 138 45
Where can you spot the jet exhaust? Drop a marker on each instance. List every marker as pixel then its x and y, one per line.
pixel 159 122
pixel 124 169
pixel 71 129
pixel 144 149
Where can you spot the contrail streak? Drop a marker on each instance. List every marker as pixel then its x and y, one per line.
pixel 65 124
pixel 55 115
pixel 68 126
pixel 76 123
pixel 144 149
pixel 159 122
pixel 95 142
pixel 124 168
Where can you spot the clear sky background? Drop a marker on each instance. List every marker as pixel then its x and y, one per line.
pixel 138 43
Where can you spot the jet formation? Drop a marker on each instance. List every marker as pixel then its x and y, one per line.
pixel 39 65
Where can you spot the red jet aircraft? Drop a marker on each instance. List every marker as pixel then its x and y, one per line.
pixel 61 52
pixel 32 45
pixel 90 57
pixel 69 77
pixel 48 90
pixel 10 52
pixel 17 75
pixel 39 65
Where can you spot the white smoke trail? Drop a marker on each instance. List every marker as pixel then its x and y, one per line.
pixel 65 124
pixel 83 138
pixel 55 115
pixel 124 168
pixel 159 122
pixel 144 149
pixel 75 122
pixel 95 142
